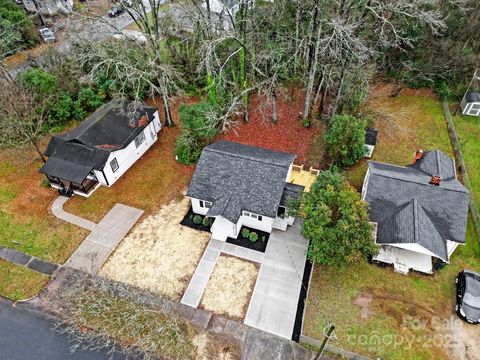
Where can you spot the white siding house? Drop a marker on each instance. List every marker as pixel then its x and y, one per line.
pixel 239 185
pixel 101 149
pixel 419 211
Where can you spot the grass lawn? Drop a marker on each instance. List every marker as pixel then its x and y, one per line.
pixel 468 131
pixel 17 282
pixel 377 311
pixel 26 223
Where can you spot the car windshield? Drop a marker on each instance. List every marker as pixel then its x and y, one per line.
pixel 472 291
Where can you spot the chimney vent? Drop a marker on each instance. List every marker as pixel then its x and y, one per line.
pixel 418 155
pixel 435 180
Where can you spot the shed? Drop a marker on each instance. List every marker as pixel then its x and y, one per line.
pixel 370 141
pixel 470 104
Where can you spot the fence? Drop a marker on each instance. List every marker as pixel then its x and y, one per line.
pixel 463 170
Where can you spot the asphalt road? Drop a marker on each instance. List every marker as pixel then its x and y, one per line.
pixel 28 335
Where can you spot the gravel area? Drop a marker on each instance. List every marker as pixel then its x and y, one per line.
pixel 159 255
pixel 230 287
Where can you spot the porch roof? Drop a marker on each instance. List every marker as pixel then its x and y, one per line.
pixel 65 170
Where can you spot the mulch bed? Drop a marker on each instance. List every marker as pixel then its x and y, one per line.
pixel 297 327
pixel 288 134
pixel 188 221
pixel 259 245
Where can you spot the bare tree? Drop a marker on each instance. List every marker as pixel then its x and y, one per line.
pixel 23 116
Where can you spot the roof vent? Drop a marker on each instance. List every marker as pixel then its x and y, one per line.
pixel 418 155
pixel 435 180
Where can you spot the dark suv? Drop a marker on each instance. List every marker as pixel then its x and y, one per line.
pixel 116 11
pixel 468 296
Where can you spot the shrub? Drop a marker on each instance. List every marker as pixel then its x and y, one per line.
pixel 264 238
pixel 88 99
pixel 45 183
pixel 345 140
pixel 245 233
pixel 198 126
pixel 186 149
pixel 197 219
pixel 39 81
pixel 190 217
pixel 253 237
pixel 206 222
pixel 336 222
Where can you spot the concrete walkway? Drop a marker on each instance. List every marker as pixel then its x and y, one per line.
pixel 104 238
pixel 274 301
pixel 57 210
pixel 273 306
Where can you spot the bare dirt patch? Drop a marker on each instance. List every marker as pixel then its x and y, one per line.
pixel 159 255
pixel 210 347
pixel 230 286
pixel 363 301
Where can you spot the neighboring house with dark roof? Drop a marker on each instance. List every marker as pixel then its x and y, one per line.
pixel 101 149
pixel 420 210
pixel 49 7
pixel 470 104
pixel 241 185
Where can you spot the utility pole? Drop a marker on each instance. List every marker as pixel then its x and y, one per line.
pixel 328 334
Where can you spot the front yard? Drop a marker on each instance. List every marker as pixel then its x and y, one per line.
pixel 159 255
pixel 376 311
pixel 18 282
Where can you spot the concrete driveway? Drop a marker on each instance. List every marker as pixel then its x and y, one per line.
pixel 273 305
pixel 274 301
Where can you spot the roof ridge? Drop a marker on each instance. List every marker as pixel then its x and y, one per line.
pixel 246 157
pixel 419 182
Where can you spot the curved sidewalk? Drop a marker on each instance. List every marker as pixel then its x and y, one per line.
pixel 57 210
pixel 103 238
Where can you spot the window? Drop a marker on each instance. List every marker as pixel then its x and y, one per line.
pixel 252 215
pixel 139 139
pixel 475 107
pixel 205 204
pixel 114 165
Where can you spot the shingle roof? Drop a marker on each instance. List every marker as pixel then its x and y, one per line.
pixel 88 146
pixel 472 97
pixel 408 209
pixel 436 163
pixel 236 177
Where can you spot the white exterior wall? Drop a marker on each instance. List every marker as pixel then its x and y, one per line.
pixel 129 155
pixel 402 258
pixel 451 246
pixel 467 108
pixel 197 209
pixel 223 228
pixel 264 225
pixel 365 184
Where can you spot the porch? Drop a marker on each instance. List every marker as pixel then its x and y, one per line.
pixel 302 177
pixel 84 188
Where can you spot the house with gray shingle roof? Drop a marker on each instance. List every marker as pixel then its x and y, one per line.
pixel 420 210
pixel 240 185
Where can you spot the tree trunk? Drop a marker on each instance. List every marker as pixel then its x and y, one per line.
pixel 274 106
pixel 166 108
pixel 311 75
pixel 339 94
pixel 37 148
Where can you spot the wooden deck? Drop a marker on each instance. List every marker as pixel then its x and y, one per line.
pixel 303 177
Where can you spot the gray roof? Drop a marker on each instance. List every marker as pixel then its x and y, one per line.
pixel 236 177
pixel 472 97
pixel 408 209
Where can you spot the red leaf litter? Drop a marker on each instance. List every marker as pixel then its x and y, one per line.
pixel 288 134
